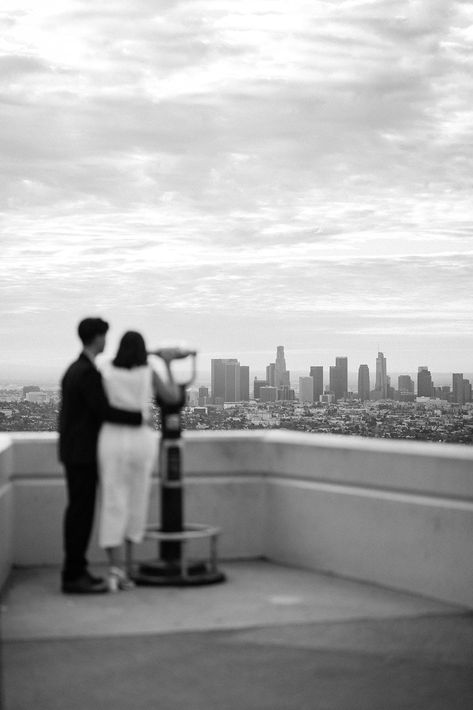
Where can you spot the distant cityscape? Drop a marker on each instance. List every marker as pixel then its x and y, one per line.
pixel 230 382
pixel 319 401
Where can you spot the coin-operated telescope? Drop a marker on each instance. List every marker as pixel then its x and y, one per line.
pixel 173 566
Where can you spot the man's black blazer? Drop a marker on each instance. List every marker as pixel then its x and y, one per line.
pixel 83 409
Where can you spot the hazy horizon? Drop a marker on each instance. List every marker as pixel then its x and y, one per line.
pixel 237 176
pixel 52 379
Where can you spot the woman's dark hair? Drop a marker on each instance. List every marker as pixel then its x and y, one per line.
pixel 131 351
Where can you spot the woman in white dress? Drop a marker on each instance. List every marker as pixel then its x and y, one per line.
pixel 127 455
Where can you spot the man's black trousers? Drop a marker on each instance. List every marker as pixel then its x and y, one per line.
pixel 81 484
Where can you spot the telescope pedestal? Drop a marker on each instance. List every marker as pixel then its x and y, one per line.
pixel 173 567
pixel 182 571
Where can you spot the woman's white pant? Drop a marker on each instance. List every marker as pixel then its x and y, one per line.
pixel 127 457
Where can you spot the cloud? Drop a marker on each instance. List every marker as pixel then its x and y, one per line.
pixel 303 164
pixel 14 67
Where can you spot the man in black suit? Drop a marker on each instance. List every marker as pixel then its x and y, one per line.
pixel 83 409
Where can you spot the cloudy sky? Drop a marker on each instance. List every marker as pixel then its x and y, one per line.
pixel 237 175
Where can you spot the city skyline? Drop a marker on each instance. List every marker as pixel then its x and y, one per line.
pixel 232 175
pixel 231 382
pixel 300 366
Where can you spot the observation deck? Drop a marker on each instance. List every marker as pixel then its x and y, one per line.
pixel 350 582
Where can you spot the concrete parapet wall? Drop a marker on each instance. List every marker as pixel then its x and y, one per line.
pixel 394 513
pixel 224 487
pixel 437 469
pixel 6 508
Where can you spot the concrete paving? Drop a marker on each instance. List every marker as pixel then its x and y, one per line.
pixel 270 637
pixel 255 594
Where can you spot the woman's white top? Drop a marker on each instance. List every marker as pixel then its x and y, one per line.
pixel 128 389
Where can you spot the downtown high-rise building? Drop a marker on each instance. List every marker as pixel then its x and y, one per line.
pixel 277 376
pixel 203 396
pixel 338 377
pixel 306 389
pixel 244 383
pixel 461 389
pixel 364 383
pixel 317 374
pixel 228 383
pixel 458 389
pixel 425 387
pixel 218 379
pixel 232 381
pixel 271 374
pixel 382 382
pixel 281 374
pixel 467 391
pixel 268 393
pixel 405 386
pixel 286 393
pixel 257 385
pixel 342 365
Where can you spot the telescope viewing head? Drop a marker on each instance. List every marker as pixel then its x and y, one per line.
pixel 169 354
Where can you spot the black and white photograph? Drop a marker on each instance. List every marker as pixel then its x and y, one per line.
pixel 236 362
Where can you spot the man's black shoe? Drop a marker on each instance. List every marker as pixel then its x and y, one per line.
pixel 93 579
pixel 84 585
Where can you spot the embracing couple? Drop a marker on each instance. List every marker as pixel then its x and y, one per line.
pixel 105 435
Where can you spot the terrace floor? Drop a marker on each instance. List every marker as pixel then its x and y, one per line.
pixel 269 638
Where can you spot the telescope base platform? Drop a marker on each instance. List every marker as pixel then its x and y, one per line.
pixel 171 574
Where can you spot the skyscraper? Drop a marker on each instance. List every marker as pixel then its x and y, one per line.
pixel 285 393
pixel 338 376
pixel 342 365
pixel 405 386
pixel 306 389
pixel 381 385
pixel 232 381
pixel 281 374
pixel 257 385
pixel 467 391
pixel 317 374
pixel 226 380
pixel 268 393
pixel 271 374
pixel 425 386
pixel 458 388
pixel 244 383
pixel 333 379
pixel 203 396
pixel 363 383
pixel 217 378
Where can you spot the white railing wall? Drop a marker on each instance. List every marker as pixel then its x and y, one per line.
pixel 6 507
pixel 394 513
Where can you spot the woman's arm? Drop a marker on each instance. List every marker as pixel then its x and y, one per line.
pixel 94 394
pixel 167 392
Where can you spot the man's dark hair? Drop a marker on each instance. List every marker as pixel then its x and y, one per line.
pixel 131 351
pixel 89 328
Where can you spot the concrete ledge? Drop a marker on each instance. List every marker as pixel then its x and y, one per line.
pixel 6 508
pixel 444 470
pixel 399 514
pixel 35 455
